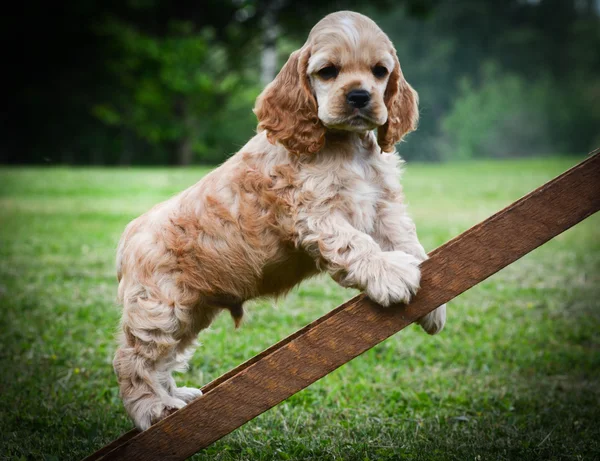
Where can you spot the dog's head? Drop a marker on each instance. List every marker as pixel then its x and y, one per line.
pixel 346 77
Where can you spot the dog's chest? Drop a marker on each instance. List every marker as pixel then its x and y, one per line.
pixel 352 187
pixel 361 192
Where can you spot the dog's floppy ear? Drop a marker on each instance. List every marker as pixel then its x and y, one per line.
pixel 402 104
pixel 287 108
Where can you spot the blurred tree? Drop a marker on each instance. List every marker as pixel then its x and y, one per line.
pixel 501 116
pixel 70 102
pixel 159 82
pixel 169 85
pixel 545 43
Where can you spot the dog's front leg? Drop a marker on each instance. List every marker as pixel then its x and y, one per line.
pixel 394 230
pixel 354 259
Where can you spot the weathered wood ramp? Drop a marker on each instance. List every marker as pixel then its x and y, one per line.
pixel 354 327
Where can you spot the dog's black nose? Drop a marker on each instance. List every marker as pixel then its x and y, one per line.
pixel 358 98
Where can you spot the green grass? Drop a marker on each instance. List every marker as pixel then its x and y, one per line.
pixel 515 375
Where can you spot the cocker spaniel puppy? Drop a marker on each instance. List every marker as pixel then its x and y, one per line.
pixel 314 191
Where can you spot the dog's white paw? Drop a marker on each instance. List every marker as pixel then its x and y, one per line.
pixel 187 394
pixel 434 322
pixel 149 410
pixel 394 278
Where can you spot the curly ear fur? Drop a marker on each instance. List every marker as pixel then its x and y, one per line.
pixel 287 108
pixel 402 103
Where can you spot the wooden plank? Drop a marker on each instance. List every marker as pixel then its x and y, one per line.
pixel 359 324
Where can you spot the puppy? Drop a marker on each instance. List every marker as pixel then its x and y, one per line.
pixel 314 191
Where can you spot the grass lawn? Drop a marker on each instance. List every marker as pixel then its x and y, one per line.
pixel 514 376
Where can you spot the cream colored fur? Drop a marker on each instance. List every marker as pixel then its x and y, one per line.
pixel 314 191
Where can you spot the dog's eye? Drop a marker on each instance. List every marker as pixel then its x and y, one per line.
pixel 329 72
pixel 379 71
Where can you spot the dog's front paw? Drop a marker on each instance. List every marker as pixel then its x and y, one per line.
pixel 434 322
pixel 394 278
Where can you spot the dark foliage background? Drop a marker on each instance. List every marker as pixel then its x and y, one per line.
pixel 174 82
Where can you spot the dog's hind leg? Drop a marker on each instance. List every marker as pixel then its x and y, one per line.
pixel 182 354
pixel 202 318
pixel 156 340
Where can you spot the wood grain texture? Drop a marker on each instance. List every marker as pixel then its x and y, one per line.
pixel 359 324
